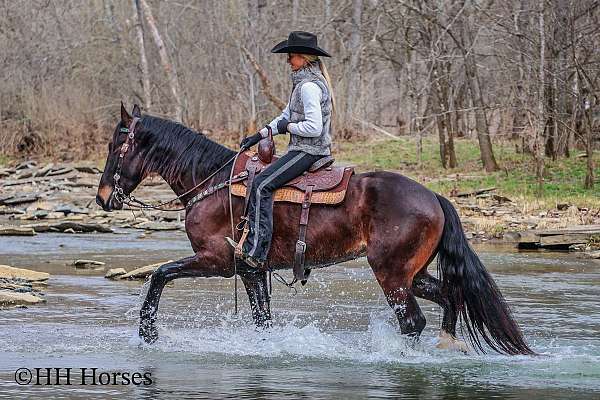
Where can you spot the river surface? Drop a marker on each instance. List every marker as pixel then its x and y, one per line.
pixel 337 338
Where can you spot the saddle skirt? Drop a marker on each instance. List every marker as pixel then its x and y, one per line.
pixel 329 184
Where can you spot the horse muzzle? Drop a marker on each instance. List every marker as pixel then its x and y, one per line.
pixel 106 199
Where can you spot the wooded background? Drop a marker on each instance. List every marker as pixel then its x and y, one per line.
pixel 491 70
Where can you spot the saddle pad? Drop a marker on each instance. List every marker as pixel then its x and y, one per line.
pixel 291 194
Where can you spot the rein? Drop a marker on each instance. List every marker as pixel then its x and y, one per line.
pixel 131 201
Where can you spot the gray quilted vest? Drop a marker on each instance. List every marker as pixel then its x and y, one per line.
pixel 313 145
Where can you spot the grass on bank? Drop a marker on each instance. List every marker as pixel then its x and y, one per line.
pixel 564 178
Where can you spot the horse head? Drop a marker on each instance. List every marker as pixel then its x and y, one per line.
pixel 123 171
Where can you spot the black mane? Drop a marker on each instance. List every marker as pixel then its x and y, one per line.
pixel 174 149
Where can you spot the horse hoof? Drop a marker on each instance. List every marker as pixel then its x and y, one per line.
pixel 449 342
pixel 148 333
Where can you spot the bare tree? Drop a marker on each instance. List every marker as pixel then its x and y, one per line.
pixel 139 30
pixel 165 60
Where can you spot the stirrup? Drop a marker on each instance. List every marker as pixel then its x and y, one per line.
pixel 251 261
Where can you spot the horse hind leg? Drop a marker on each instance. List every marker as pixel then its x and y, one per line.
pixel 429 288
pixel 407 310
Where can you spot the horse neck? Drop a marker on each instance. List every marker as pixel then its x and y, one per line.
pixel 188 181
pixel 189 177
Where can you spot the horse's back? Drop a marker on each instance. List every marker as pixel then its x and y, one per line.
pixel 389 189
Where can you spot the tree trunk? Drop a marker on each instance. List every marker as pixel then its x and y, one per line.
pixel 474 84
pixel 589 148
pixel 539 137
pixel 551 128
pixel 295 11
pixel 139 29
pixel 165 60
pixel 483 133
pixel 519 114
pixel 354 47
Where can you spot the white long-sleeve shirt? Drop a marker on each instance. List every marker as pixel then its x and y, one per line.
pixel 312 125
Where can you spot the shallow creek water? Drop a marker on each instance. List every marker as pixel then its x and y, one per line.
pixel 337 338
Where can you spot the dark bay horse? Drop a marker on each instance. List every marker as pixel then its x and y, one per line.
pixel 399 225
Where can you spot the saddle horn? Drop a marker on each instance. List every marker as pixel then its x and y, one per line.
pixel 266 147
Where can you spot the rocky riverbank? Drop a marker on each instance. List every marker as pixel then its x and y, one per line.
pixel 61 198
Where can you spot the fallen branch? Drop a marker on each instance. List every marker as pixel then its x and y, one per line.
pixel 266 86
pixel 375 127
pixel 475 192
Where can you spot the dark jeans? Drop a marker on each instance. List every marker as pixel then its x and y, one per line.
pixel 260 204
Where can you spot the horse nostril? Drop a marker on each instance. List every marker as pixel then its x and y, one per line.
pixel 101 203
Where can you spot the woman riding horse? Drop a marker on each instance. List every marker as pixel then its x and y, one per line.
pixel 307 117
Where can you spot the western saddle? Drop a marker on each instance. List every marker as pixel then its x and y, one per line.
pixel 322 184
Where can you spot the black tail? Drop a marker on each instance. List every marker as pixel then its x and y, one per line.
pixel 473 292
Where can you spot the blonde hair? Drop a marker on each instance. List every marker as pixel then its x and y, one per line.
pixel 315 59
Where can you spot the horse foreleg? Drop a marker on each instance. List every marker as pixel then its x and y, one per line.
pixel 186 267
pixel 258 294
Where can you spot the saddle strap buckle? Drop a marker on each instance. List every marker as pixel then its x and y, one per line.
pixel 299 260
pixel 300 247
pixel 242 224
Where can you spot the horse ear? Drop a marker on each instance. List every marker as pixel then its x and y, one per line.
pixel 136 111
pixel 125 117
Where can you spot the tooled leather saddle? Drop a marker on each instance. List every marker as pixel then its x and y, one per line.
pixel 322 183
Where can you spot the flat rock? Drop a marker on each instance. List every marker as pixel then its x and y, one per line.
pixel 10 298
pixel 24 287
pixel 68 209
pixel 512 237
pixel 4 172
pixel 11 211
pixel 592 254
pixel 157 226
pixel 143 272
pixel 115 273
pixel 26 164
pixel 87 169
pixel 66 225
pixel 59 171
pixel 16 231
pixel 44 170
pixel 87 263
pixel 54 215
pixel 27 275
pixel 13 201
pixel 26 173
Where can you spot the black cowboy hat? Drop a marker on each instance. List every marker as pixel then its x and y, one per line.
pixel 302 43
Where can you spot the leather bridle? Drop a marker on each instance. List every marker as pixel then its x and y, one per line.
pixel 118 193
